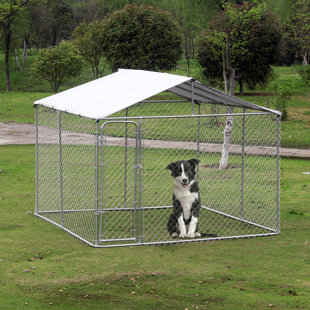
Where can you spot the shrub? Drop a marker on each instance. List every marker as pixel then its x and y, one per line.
pixel 281 94
pixel 304 73
pixel 57 64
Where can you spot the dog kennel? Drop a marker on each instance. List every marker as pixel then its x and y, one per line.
pixel 102 149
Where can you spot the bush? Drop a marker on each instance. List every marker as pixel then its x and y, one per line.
pixel 281 94
pixel 304 73
pixel 57 64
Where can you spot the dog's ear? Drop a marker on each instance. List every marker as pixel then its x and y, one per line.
pixel 193 162
pixel 171 166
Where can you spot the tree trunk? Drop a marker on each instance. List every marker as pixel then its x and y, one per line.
pixel 229 125
pixel 7 47
pixel 305 60
pixel 17 61
pixel 25 49
pixel 224 73
pixel 241 88
pixel 188 65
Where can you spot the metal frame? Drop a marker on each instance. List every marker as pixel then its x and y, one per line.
pixel 138 206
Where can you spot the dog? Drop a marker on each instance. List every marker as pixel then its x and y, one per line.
pixel 183 222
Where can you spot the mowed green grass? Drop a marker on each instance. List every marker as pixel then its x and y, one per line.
pixel 43 267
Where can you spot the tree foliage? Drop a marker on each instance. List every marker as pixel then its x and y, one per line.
pixel 51 21
pixel 242 38
pixel 8 11
pixel 142 38
pixel 298 25
pixel 57 64
pixel 89 41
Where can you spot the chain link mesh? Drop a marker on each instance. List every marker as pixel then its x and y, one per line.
pixel 135 189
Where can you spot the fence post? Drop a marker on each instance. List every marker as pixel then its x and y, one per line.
pixel 60 169
pixel 242 164
pixel 97 182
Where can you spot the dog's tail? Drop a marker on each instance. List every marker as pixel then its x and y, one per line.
pixel 209 235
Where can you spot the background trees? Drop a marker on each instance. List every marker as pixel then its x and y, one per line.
pixel 142 38
pixel 89 41
pixel 298 25
pixel 45 23
pixel 241 43
pixel 57 64
pixel 8 11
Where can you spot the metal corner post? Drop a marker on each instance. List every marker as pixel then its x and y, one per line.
pixel 37 161
pixel 97 182
pixel 278 171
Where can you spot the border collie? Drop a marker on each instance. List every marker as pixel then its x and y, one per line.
pixel 183 222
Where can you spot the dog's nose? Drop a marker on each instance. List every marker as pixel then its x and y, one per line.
pixel 184 181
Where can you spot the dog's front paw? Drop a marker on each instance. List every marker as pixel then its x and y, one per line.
pixel 174 235
pixel 190 235
pixel 182 235
pixel 197 234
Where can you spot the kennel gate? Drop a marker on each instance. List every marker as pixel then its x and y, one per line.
pixel 105 180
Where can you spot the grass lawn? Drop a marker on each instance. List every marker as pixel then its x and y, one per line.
pixel 42 267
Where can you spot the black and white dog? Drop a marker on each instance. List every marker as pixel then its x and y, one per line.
pixel 183 222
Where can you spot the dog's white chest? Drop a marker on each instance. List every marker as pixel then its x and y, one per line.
pixel 186 199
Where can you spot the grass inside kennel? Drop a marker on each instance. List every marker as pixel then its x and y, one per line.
pixel 220 190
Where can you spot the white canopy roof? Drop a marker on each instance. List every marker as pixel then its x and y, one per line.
pixel 102 97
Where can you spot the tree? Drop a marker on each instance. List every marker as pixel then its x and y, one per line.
pixel 57 64
pixel 240 45
pixel 299 26
pixel 89 41
pixel 142 38
pixel 8 11
pixel 244 39
pixel 51 21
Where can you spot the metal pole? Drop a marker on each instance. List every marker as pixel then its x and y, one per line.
pixel 97 182
pixel 278 172
pixel 125 170
pixel 140 178
pixel 198 142
pixel 37 161
pixel 192 97
pixel 60 169
pixel 136 224
pixel 242 164
pixel 101 226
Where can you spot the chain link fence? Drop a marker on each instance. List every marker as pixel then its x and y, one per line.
pixel 106 181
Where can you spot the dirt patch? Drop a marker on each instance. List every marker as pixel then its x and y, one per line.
pixel 301 114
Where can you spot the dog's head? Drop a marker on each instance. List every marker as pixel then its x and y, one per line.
pixel 184 171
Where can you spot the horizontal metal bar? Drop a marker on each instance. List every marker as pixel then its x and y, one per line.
pixel 103 210
pixel 187 116
pixel 132 209
pixel 238 219
pixel 164 101
pixel 120 239
pixel 65 211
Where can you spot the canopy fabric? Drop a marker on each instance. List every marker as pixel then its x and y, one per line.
pixel 101 98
